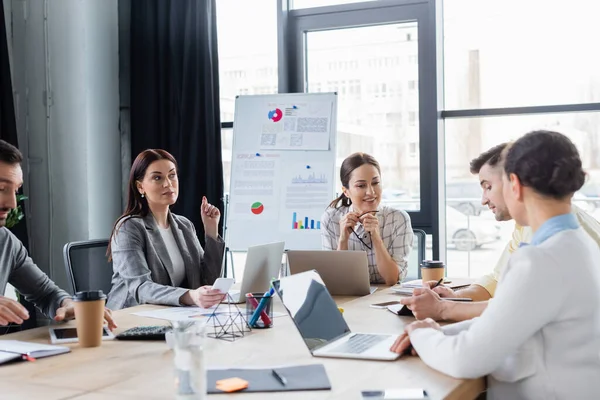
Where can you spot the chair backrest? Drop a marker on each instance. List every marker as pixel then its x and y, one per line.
pixel 416 255
pixel 87 265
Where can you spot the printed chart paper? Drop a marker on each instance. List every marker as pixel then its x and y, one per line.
pixel 296 126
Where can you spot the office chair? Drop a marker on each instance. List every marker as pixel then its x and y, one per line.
pixel 416 255
pixel 87 266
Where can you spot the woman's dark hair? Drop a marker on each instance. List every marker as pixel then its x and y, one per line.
pixel 352 162
pixel 137 206
pixel 546 161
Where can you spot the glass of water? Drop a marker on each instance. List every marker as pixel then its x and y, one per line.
pixel 190 371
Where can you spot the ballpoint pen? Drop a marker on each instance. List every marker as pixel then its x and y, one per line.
pixel 280 378
pixel 438 283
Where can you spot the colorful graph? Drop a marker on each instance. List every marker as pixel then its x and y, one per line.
pixel 275 115
pixel 304 223
pixel 312 178
pixel 257 208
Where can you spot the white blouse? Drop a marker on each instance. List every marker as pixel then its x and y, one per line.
pixel 539 338
pixel 174 255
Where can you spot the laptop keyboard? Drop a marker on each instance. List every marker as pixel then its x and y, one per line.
pixel 358 343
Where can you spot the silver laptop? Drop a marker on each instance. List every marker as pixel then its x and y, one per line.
pixel 263 263
pixel 345 273
pixel 322 325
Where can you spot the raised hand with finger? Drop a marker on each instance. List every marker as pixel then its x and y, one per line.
pixel 210 218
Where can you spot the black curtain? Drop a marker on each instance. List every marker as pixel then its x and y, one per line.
pixel 8 123
pixel 8 133
pixel 175 95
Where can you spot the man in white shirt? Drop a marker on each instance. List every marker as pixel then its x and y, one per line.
pixel 427 303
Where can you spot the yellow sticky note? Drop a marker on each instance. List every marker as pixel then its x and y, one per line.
pixel 231 384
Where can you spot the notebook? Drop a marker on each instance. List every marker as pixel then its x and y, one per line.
pixel 15 350
pixel 300 377
pixel 406 288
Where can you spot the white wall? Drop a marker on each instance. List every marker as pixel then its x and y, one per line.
pixel 73 147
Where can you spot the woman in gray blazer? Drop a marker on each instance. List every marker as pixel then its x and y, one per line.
pixel 156 255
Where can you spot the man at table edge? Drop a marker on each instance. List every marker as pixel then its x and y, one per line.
pixel 16 267
pixel 428 303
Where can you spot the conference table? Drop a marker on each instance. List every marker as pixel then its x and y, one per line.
pixel 144 369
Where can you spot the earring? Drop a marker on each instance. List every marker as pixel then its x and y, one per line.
pixel 142 195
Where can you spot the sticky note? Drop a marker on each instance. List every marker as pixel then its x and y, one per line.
pixel 231 384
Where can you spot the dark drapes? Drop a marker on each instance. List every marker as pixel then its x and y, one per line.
pixel 175 95
pixel 8 133
pixel 8 123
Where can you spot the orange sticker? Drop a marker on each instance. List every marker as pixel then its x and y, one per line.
pixel 231 384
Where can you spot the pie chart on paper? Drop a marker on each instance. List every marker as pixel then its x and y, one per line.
pixel 257 208
pixel 275 115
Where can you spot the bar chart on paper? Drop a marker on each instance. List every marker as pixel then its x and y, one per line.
pixel 304 223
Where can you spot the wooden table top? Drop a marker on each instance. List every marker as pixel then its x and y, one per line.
pixel 144 369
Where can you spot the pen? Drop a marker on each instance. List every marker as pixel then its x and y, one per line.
pixel 280 378
pixel 261 306
pixel 263 315
pixel 438 283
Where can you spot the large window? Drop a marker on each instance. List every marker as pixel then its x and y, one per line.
pixel 475 239
pixel 374 70
pixel 533 58
pixel 520 53
pixel 247 50
pixel 510 69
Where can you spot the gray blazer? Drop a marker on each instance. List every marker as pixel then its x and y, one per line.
pixel 142 268
pixel 18 269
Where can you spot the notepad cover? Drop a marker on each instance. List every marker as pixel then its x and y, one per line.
pixel 301 377
pixel 36 350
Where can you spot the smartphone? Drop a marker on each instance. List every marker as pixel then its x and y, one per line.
pixel 223 284
pixel 385 304
pixel 394 394
pixel 60 335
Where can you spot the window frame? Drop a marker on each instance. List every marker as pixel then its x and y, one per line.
pixel 291 26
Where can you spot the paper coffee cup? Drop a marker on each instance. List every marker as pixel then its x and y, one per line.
pixel 89 317
pixel 432 270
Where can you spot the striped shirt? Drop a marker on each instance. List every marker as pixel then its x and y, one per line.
pixel 395 231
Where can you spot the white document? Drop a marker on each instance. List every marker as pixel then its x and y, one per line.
pixel 305 195
pixel 297 126
pixel 188 313
pixel 254 186
pixel 177 313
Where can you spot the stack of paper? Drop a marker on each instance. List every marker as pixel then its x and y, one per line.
pixel 400 289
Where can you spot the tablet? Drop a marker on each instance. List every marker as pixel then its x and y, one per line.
pixel 60 335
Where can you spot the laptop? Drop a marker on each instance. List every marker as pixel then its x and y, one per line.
pixel 262 265
pixel 345 272
pixel 322 325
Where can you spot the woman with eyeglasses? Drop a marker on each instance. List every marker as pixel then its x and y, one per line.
pixel 357 221
pixel 540 337
pixel 156 255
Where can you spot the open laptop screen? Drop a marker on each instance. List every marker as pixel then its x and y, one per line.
pixel 312 308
